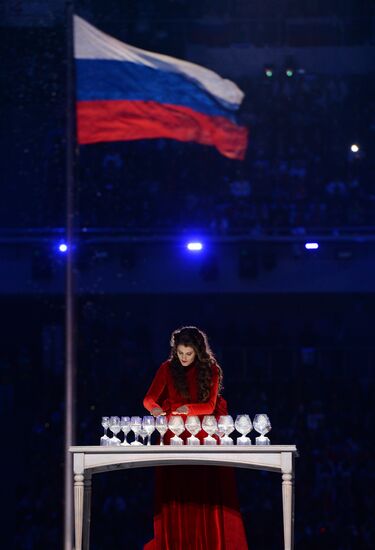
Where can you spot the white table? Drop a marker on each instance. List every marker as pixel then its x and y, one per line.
pixel 90 460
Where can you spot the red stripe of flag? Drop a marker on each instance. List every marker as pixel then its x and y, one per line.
pixel 124 120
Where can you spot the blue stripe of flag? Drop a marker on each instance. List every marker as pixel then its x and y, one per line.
pixel 106 79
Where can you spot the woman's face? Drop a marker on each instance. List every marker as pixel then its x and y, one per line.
pixel 186 355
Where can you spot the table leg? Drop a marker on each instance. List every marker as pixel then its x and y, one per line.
pixel 78 510
pixel 288 511
pixel 87 511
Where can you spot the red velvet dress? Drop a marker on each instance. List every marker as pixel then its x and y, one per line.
pixel 196 507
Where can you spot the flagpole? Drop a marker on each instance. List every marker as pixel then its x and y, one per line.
pixel 70 366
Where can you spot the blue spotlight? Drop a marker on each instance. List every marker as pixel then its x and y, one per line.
pixel 194 246
pixel 63 248
pixel 312 246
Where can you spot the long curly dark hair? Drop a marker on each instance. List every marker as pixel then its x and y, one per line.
pixel 196 339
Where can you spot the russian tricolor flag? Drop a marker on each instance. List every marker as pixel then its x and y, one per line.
pixel 125 93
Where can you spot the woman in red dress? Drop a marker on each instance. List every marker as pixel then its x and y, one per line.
pixel 196 506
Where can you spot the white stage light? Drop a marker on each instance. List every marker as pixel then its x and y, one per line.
pixel 311 246
pixel 194 246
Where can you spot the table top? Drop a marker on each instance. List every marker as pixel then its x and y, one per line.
pixel 141 449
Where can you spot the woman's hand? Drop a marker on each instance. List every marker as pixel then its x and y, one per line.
pixel 181 410
pixel 157 411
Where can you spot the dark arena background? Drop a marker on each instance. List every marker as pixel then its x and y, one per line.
pixel 284 285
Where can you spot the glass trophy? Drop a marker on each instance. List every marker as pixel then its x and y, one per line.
pixel 193 426
pixel 243 425
pixel 177 426
pixel 226 427
pixel 262 425
pixel 209 425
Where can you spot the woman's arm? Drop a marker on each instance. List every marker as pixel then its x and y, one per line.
pixel 156 389
pixel 208 406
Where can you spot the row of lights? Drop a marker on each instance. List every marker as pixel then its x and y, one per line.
pixel 193 246
pixel 196 246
